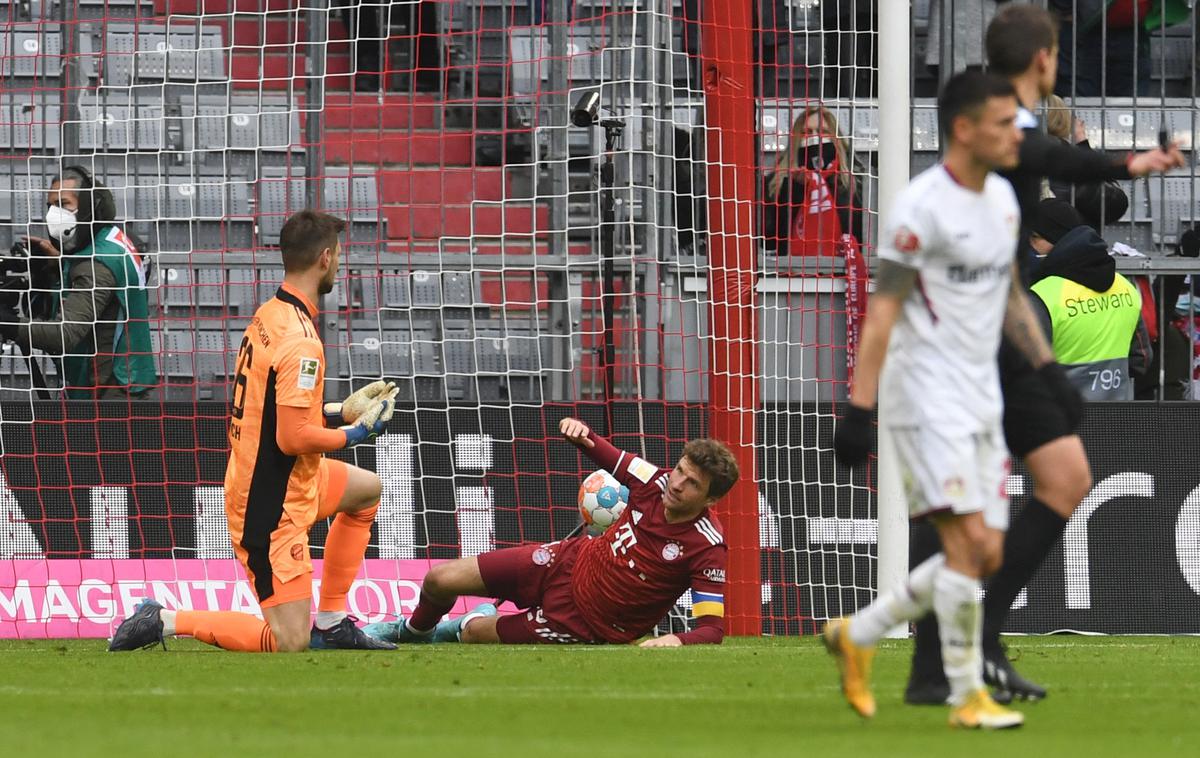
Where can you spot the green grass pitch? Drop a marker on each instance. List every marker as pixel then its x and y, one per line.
pixel 1116 696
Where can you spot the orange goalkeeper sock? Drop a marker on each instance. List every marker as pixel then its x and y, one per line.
pixel 227 630
pixel 344 550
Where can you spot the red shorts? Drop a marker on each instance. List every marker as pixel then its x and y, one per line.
pixel 536 578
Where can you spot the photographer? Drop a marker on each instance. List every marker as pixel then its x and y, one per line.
pixel 98 316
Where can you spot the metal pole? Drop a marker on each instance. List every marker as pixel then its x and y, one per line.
pixel 314 92
pixel 557 107
pixel 608 294
pixel 895 149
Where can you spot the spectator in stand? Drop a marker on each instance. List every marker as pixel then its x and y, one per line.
pixel 1091 314
pixel 1100 203
pixel 815 149
pixel 1177 296
pixel 100 323
pixel 1104 45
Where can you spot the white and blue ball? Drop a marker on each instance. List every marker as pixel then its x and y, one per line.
pixel 602 500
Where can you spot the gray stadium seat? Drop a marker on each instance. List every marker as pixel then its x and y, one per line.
pixel 242 130
pixel 210 288
pixel 395 290
pixel 460 355
pixel 356 198
pixel 118 123
pixel 30 121
pixel 176 359
pixel 30 53
pixel 153 52
pixel 241 291
pixel 179 289
pixel 426 289
pixel 268 283
pixel 460 288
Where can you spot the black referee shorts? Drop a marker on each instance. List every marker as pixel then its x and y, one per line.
pixel 1031 416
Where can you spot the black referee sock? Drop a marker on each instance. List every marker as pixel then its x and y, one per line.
pixel 924 543
pixel 1031 537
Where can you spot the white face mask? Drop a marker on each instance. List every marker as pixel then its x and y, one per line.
pixel 60 221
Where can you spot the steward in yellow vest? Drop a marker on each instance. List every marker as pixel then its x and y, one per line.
pixel 1092 315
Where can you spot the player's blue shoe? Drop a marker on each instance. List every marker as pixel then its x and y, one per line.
pixel 448 630
pixel 346 636
pixel 396 632
pixel 143 629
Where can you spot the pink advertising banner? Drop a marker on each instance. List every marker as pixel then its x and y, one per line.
pixel 83 598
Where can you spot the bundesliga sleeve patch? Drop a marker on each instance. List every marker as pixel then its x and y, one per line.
pixel 641 470
pixel 307 378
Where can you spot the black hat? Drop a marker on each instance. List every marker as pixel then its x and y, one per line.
pixel 1054 218
pixel 1189 244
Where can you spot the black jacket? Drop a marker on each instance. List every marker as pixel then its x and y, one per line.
pixel 777 212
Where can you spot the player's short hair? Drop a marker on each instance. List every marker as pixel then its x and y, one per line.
pixel 712 457
pixel 305 235
pixel 1016 34
pixel 965 94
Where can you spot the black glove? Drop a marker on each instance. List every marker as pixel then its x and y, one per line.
pixel 13 328
pixel 1063 392
pixel 852 441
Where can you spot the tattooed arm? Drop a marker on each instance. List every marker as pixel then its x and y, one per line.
pixel 1021 326
pixel 893 283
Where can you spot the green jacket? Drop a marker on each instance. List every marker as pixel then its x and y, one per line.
pixel 125 333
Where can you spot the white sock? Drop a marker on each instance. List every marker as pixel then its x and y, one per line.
pixel 959 615
pixel 329 619
pixel 168 619
pixel 905 603
pixel 419 632
pixel 466 620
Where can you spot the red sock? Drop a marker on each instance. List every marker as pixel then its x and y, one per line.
pixel 344 550
pixel 428 613
pixel 227 630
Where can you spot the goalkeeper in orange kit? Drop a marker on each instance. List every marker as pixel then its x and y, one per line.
pixel 278 482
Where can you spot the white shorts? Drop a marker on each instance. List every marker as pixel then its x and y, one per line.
pixel 956 472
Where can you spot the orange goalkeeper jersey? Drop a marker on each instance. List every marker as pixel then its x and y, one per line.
pixel 280 362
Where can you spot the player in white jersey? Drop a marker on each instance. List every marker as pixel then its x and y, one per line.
pixel 945 289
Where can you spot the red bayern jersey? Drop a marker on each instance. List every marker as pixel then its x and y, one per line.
pixel 625 581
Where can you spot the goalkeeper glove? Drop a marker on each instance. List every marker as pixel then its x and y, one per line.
pixel 852 440
pixel 1063 391
pixel 372 423
pixel 348 411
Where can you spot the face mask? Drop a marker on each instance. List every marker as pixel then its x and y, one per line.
pixel 819 153
pixel 60 221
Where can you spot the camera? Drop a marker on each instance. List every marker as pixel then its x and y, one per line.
pixel 22 275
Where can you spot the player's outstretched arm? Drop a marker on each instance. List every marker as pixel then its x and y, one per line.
pixel 1048 156
pixel 627 468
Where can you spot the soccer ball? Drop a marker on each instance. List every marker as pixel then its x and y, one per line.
pixel 602 500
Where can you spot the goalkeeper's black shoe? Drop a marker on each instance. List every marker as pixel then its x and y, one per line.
pixel 1009 685
pixel 345 636
pixel 141 630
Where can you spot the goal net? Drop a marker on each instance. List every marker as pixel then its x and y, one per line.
pixel 691 264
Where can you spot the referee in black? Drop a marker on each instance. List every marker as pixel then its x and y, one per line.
pixel 1041 407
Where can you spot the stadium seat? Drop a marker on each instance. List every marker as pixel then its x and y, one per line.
pixel 426 289
pixel 30 121
pixel 29 55
pixel 146 52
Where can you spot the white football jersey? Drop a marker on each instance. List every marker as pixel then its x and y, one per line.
pixel 941 360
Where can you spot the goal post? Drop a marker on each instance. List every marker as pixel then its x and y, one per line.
pixel 727 70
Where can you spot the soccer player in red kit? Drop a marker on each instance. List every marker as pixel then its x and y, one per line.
pixel 613 588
